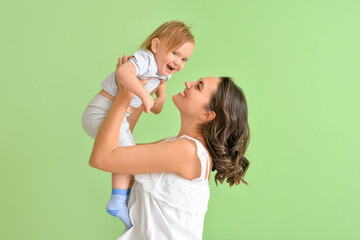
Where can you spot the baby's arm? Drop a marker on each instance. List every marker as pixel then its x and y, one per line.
pixel 126 76
pixel 160 99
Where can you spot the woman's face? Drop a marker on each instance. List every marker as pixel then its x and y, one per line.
pixel 196 96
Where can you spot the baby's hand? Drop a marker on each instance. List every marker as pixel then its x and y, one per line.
pixel 147 102
pixel 158 105
pixel 129 110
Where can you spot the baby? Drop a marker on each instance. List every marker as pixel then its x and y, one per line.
pixel 163 53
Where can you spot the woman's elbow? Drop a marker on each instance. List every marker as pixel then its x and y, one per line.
pixel 103 161
pixel 100 162
pixel 94 161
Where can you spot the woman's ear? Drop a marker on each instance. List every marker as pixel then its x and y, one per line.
pixel 155 43
pixel 208 115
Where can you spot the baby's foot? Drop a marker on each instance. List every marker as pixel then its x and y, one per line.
pixel 117 206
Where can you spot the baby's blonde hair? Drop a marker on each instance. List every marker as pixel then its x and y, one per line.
pixel 173 33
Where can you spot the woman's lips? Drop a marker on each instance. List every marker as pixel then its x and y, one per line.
pixel 183 94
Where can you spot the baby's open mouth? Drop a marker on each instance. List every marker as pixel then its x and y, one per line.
pixel 170 67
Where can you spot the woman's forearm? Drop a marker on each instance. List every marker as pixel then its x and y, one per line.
pixel 107 139
pixel 134 117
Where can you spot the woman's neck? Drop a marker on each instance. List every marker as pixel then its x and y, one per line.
pixel 190 128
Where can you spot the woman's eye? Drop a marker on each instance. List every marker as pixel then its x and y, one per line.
pixel 175 53
pixel 197 87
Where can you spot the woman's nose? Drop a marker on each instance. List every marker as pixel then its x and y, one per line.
pixel 187 84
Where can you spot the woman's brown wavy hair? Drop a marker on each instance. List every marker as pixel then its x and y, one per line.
pixel 227 135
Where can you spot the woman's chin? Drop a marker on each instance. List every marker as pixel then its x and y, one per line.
pixel 176 99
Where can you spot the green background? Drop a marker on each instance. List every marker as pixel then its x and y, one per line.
pixel 297 62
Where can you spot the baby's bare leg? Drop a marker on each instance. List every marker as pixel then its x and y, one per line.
pixel 123 181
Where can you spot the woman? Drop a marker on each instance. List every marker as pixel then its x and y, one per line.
pixel 170 195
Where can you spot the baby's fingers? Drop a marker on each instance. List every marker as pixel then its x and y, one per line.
pixel 146 110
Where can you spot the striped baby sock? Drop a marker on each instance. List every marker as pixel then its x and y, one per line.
pixel 117 206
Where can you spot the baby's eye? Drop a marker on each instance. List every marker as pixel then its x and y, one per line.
pixel 175 53
pixel 198 87
pixel 184 59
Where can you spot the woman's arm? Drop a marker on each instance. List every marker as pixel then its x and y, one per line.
pixel 178 156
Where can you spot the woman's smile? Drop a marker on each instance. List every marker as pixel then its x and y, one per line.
pixel 183 94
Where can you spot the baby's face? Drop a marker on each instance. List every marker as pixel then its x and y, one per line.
pixel 170 62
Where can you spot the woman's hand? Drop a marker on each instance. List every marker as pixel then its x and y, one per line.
pixel 123 60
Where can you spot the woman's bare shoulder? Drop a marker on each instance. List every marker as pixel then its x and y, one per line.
pixel 183 154
pixel 182 146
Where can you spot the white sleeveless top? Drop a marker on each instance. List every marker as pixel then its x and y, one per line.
pixel 166 206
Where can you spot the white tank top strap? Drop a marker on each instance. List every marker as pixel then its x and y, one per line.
pixel 203 157
pixel 208 166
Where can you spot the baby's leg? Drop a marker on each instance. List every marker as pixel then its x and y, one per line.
pixel 94 114
pixel 91 120
pixel 121 183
